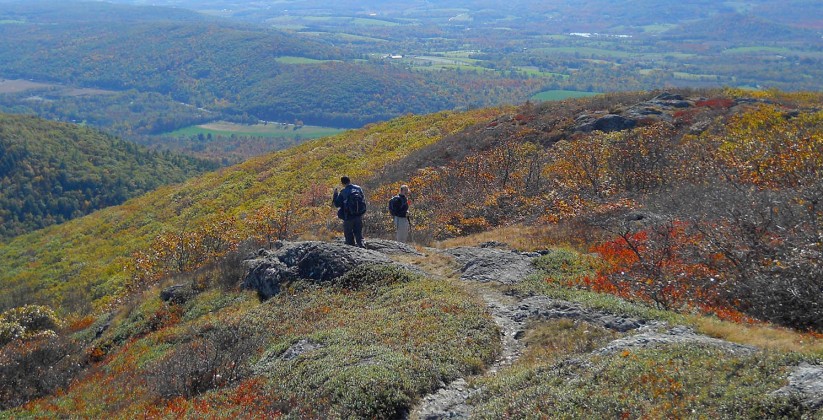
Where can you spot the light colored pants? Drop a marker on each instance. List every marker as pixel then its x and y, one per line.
pixel 403 228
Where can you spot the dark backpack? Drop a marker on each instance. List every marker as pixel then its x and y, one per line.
pixel 394 203
pixel 355 202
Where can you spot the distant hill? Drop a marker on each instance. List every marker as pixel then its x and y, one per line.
pixel 735 28
pixel 53 172
pixel 238 70
pixel 564 253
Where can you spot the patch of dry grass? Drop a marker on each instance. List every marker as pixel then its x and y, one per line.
pixel 431 262
pixel 761 336
pixel 520 237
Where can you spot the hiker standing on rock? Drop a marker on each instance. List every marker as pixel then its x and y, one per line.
pixel 399 208
pixel 351 204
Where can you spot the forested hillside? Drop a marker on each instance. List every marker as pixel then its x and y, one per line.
pixel 242 73
pixel 696 209
pixel 53 172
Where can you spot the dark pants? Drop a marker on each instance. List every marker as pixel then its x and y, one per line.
pixel 353 229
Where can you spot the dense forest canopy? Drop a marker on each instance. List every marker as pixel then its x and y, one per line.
pixel 53 172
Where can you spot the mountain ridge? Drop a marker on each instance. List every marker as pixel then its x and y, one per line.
pixel 53 172
pixel 618 208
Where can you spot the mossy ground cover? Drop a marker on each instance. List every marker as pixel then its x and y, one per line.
pixel 560 375
pixel 667 382
pixel 372 345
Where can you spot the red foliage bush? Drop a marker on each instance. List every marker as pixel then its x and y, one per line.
pixel 716 103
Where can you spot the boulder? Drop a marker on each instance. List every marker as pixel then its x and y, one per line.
pixel 651 338
pixel 318 262
pixel 606 123
pixel 391 247
pixel 178 294
pixel 545 308
pixel 492 265
pixel 805 382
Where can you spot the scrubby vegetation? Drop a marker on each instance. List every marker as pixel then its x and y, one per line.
pixel 673 382
pixel 704 211
pixel 368 346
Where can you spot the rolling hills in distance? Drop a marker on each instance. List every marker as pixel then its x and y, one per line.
pixel 153 70
pixel 669 226
pixel 600 186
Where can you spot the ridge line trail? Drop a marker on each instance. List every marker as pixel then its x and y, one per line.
pixel 450 401
pixel 511 315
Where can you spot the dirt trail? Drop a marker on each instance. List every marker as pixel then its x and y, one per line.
pixel 480 268
pixel 451 400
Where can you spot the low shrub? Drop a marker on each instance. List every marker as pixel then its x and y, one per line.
pixel 372 277
pixel 663 382
pixel 563 264
pixel 37 367
pixel 214 357
pixel 26 322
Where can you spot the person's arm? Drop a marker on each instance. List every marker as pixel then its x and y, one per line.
pixel 335 200
pixel 340 197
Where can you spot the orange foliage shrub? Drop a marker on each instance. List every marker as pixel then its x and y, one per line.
pixel 655 265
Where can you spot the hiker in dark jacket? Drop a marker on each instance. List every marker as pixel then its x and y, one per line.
pixel 399 208
pixel 349 210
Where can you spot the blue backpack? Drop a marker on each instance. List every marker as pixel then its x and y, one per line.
pixel 355 203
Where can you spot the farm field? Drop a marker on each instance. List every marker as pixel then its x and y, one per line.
pixel 20 85
pixel 559 95
pixel 270 130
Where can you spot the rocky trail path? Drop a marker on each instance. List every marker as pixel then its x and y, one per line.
pixel 484 268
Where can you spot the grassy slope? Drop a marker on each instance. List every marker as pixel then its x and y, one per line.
pixel 383 346
pixel 84 260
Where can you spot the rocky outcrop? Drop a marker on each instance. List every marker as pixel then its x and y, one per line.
pixel 492 265
pixel 178 294
pixel 606 123
pixel 659 108
pixel 674 335
pixel 669 100
pixel 545 308
pixel 391 247
pixel 806 382
pixel 318 262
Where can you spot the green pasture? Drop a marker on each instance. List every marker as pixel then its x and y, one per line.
pixel 299 60
pixel 452 63
pixel 596 52
pixel 358 38
pixel 373 22
pixel 336 20
pixel 559 95
pixel 272 130
pixel 696 77
pixel 534 71
pixel 462 54
pixel 757 49
pixel 658 28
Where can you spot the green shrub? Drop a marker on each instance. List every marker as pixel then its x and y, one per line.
pixel 372 277
pixel 27 322
pixel 371 352
pixel 665 382
pixel 564 264
pixel 32 317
